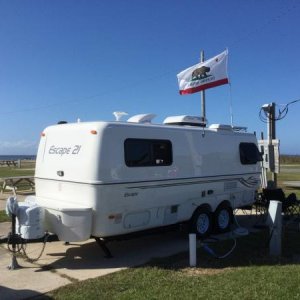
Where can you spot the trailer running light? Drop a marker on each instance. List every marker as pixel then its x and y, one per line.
pixel 116 217
pixel 94 132
pixel 43 134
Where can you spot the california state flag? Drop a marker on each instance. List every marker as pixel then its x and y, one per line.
pixel 206 75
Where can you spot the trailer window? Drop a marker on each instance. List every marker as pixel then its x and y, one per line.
pixel 249 154
pixel 146 152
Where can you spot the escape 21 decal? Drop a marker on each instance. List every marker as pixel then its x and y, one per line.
pixel 74 150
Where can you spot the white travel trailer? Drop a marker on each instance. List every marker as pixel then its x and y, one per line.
pixel 106 179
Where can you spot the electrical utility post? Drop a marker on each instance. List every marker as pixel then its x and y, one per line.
pixel 270 144
pixel 203 109
pixel 271 137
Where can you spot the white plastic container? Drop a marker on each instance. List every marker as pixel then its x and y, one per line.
pixel 71 224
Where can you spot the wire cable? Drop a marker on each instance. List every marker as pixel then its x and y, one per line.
pixel 32 260
pixel 214 254
pixel 264 116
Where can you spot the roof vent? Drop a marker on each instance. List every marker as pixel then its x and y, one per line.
pixel 220 127
pixel 142 119
pixel 119 114
pixel 239 128
pixel 185 120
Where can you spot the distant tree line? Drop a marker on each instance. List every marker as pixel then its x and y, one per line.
pixel 289 159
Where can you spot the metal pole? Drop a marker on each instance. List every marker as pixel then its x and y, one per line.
pixel 272 136
pixel 273 132
pixel 203 109
pixel 14 263
pixel 263 168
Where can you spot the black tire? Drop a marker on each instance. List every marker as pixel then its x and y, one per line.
pixel 201 222
pixel 223 218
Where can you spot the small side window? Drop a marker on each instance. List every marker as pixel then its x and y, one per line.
pixel 249 154
pixel 146 152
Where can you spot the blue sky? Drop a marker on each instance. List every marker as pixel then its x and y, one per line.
pixel 63 60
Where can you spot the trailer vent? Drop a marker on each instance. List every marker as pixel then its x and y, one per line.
pixel 228 127
pixel 239 128
pixel 185 120
pixel 143 118
pixel 220 127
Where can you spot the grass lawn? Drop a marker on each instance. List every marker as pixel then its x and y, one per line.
pixel 247 274
pixel 252 282
pixel 4 217
pixel 292 173
pixel 27 169
pixel 11 172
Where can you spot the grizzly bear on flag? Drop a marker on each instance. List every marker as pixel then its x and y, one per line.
pixel 200 73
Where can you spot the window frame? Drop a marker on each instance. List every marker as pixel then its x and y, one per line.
pixel 247 158
pixel 154 160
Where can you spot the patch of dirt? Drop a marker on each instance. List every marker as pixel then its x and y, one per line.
pixel 203 271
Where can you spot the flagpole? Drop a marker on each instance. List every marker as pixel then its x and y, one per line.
pixel 203 95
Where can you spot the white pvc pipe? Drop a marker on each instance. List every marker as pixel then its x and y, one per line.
pixel 275 223
pixel 193 249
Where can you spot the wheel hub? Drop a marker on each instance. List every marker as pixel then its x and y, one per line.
pixel 202 223
pixel 223 219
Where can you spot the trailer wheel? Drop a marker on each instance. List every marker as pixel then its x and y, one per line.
pixel 223 218
pixel 201 222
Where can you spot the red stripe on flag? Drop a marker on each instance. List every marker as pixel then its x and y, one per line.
pixel 204 87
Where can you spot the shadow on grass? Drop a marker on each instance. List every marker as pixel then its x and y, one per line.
pixel 251 250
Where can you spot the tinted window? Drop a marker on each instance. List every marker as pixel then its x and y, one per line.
pixel 146 152
pixel 249 154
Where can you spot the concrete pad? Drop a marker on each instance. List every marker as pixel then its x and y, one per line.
pixel 25 282
pixel 62 264
pixel 5 228
pixel 86 260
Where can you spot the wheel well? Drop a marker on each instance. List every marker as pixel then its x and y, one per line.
pixel 224 203
pixel 205 205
